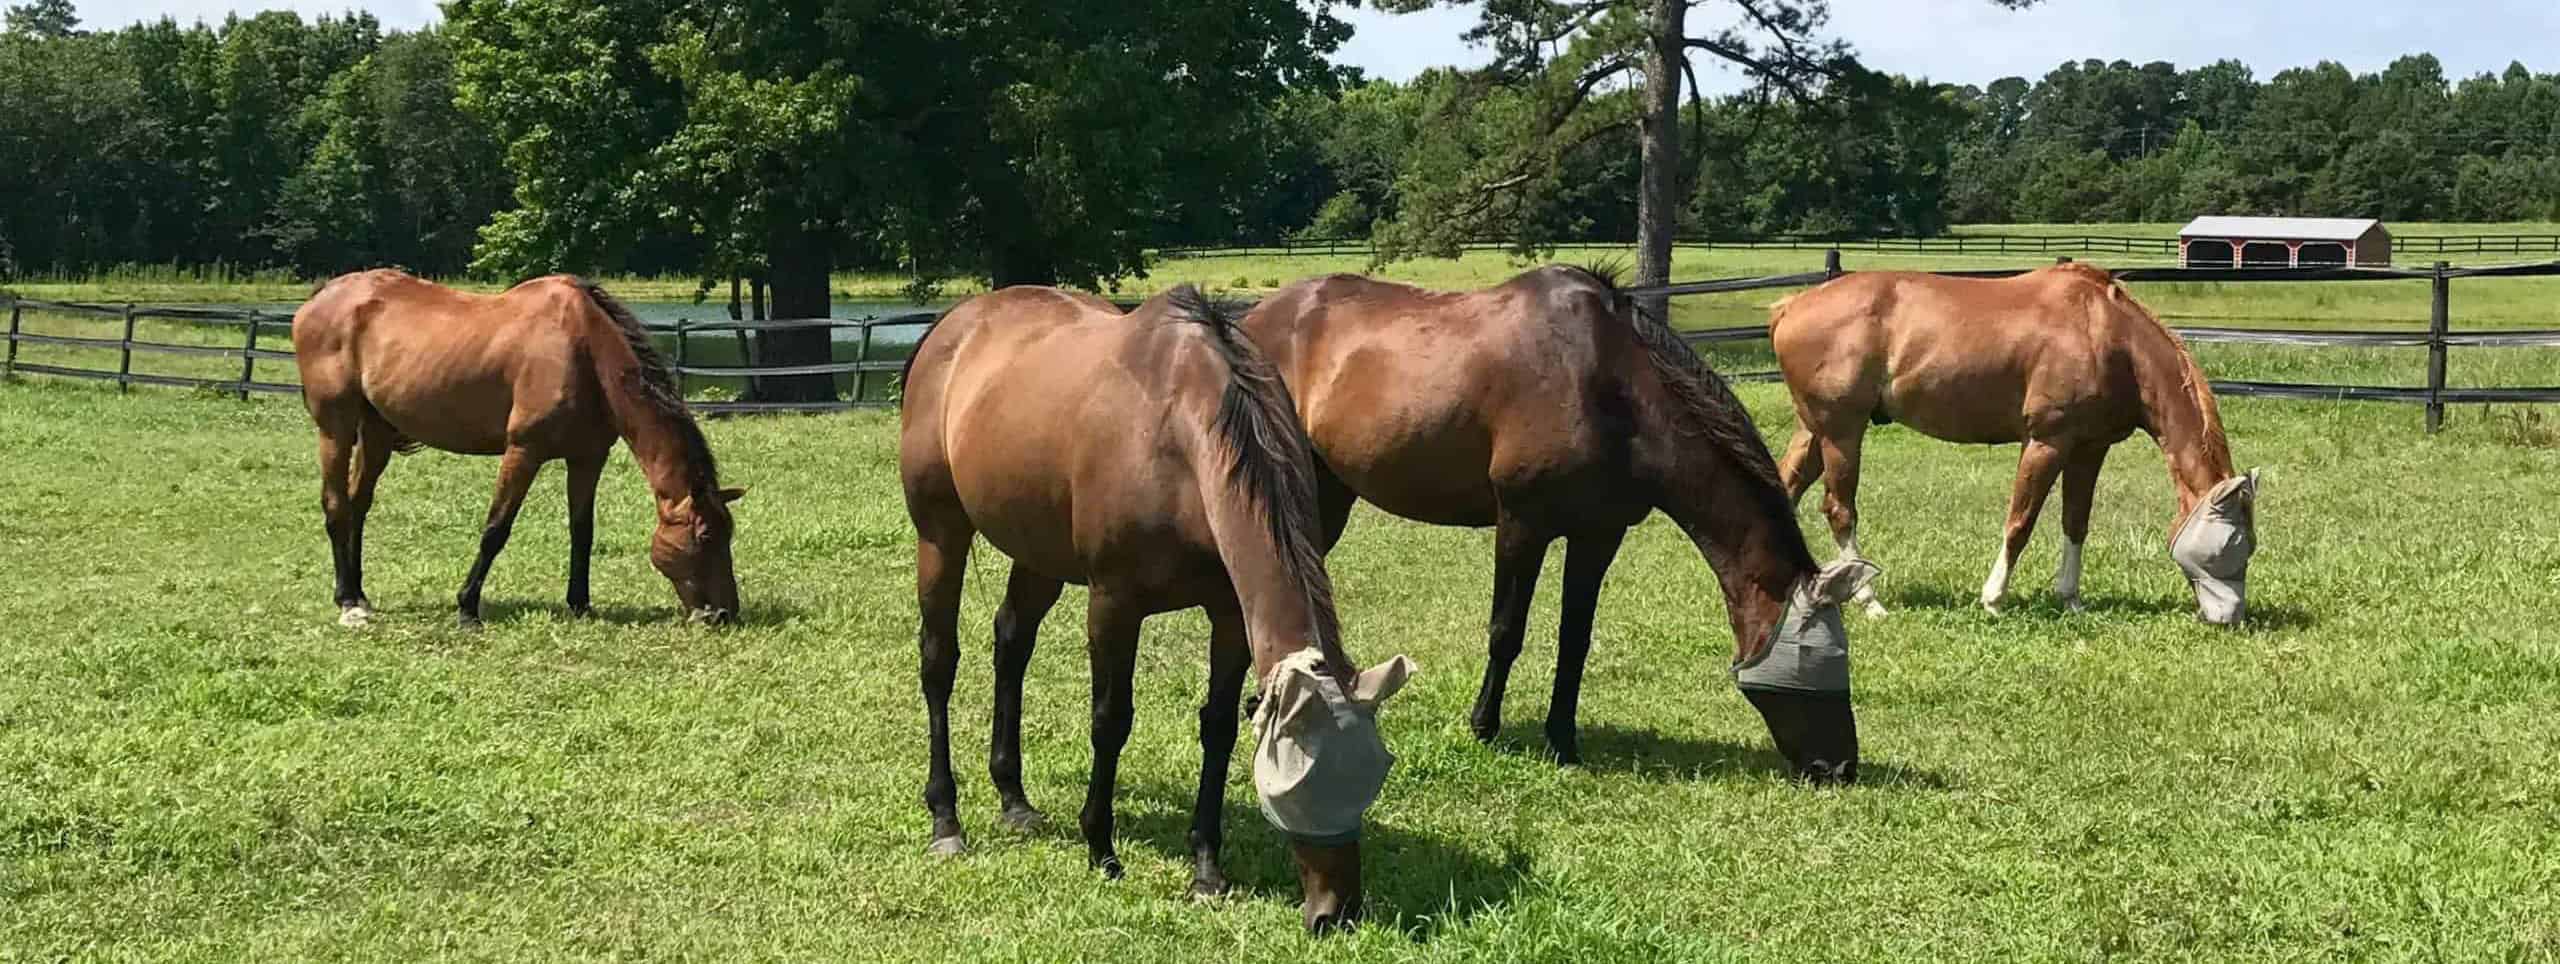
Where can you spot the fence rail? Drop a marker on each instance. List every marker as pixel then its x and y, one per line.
pixel 2438 338
pixel 1955 244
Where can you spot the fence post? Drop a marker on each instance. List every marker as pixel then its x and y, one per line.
pixel 2439 319
pixel 680 357
pixel 862 356
pixel 249 356
pixel 1831 264
pixel 124 366
pixel 2062 259
pixel 11 369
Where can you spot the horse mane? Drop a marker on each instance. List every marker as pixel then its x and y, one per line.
pixel 654 383
pixel 1274 464
pixel 2191 378
pixel 1706 407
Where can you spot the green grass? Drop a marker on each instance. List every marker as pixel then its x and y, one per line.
pixel 195 762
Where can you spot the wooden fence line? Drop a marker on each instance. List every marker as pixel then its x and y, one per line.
pixel 2438 338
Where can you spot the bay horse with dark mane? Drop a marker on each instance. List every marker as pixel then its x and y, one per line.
pixel 2061 359
pixel 1548 407
pixel 553 368
pixel 1151 457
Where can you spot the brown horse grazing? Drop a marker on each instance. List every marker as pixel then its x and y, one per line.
pixel 1547 408
pixel 1151 457
pixel 554 368
pixel 2061 359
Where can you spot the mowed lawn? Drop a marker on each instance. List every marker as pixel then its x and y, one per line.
pixel 196 762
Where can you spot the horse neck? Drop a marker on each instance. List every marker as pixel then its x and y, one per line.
pixel 659 441
pixel 2181 417
pixel 1287 605
pixel 1740 526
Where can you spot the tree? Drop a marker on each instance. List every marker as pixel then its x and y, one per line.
pixel 1567 49
pixel 1030 143
pixel 50 19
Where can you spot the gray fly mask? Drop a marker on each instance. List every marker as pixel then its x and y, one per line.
pixel 2213 547
pixel 1808 649
pixel 1319 762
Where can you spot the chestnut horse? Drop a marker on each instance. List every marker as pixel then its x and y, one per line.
pixel 553 368
pixel 1547 407
pixel 2061 359
pixel 1150 456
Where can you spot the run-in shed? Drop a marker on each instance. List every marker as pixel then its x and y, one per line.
pixel 2222 242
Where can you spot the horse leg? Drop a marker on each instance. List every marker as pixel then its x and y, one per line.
pixel 942 562
pixel 2038 464
pixel 1517 551
pixel 1027 598
pixel 583 473
pixel 1228 659
pixel 1802 466
pixel 1111 649
pixel 1586 560
pixel 1838 452
pixel 374 445
pixel 515 477
pixel 2079 488
pixel 337 456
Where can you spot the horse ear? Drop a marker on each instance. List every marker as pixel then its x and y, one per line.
pixel 1383 680
pixel 732 495
pixel 1839 582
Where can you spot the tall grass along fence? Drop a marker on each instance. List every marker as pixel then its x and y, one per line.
pixel 719 358
pixel 1954 244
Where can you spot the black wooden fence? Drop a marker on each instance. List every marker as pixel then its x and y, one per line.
pixel 871 366
pixel 1955 244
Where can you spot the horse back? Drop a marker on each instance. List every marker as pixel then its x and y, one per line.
pixel 1070 435
pixel 451 369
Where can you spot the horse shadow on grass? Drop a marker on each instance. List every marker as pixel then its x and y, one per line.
pixel 1650 754
pixel 1417 882
pixel 2043 607
pixel 503 611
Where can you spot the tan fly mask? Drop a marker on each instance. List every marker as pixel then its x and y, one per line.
pixel 1808 649
pixel 1320 762
pixel 2213 548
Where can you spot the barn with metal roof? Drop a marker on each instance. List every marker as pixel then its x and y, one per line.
pixel 2224 242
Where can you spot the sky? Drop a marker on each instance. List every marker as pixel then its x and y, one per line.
pixel 1957 41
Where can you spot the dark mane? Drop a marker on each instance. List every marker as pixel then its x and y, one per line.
pixel 1706 407
pixel 1274 463
pixel 653 382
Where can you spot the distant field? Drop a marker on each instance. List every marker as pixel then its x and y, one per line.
pixel 2169 229
pixel 2478 304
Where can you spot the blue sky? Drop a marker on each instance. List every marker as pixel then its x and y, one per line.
pixel 1962 41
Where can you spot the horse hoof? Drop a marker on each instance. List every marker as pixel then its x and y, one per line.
pixel 1876 610
pixel 582 612
pixel 1209 886
pixel 951 846
pixel 1025 819
pixel 1567 750
pixel 1109 865
pixel 2074 605
pixel 355 617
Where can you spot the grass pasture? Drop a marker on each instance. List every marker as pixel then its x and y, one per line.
pixel 196 763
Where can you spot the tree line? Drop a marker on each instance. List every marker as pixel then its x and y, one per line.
pixel 1061 141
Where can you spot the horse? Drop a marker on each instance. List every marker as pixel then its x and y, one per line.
pixel 2060 359
pixel 553 368
pixel 1548 407
pixel 1152 457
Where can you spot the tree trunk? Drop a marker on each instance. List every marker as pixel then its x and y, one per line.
pixel 1658 195
pixel 799 262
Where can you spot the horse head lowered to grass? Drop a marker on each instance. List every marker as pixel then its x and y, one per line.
pixel 1151 457
pixel 2061 359
pixel 553 368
